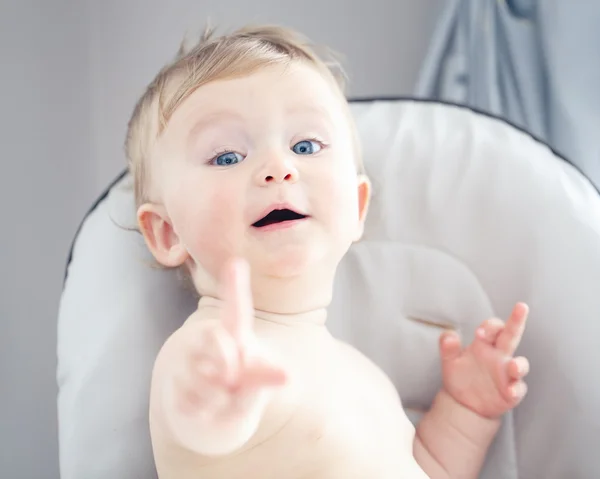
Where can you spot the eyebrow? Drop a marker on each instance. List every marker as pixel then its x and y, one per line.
pixel 212 118
pixel 221 115
pixel 312 110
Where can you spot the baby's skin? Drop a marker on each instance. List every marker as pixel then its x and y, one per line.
pixel 239 394
pixel 256 190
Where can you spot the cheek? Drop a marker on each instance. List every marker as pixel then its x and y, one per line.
pixel 338 203
pixel 343 191
pixel 210 222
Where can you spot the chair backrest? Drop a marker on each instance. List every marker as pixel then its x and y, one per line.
pixel 469 215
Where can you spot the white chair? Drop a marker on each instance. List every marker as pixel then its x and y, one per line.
pixel 469 215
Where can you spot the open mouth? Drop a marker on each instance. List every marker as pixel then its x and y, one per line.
pixel 278 216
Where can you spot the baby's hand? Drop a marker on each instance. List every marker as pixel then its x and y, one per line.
pixel 224 383
pixel 484 376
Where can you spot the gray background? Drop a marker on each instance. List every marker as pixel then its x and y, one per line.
pixel 70 74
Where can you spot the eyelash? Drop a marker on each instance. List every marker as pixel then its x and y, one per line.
pixel 322 143
pixel 218 152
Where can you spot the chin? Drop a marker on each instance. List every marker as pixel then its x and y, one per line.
pixel 292 262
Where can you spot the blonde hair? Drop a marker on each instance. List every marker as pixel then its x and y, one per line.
pixel 213 58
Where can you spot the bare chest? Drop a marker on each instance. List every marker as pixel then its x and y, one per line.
pixel 338 417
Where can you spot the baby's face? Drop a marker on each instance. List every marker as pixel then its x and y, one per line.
pixel 237 150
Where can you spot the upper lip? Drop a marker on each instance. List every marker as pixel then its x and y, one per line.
pixel 275 207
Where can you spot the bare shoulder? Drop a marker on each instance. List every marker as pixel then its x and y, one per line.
pixel 377 391
pixel 364 369
pixel 350 353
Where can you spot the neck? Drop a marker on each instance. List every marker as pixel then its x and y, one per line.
pixel 211 306
pixel 300 296
pixel 303 297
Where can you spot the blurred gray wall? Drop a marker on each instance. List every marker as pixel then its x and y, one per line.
pixel 46 183
pixel 70 74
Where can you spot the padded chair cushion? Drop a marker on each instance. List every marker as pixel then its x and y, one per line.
pixel 469 215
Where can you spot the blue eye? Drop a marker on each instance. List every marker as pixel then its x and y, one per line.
pixel 306 147
pixel 227 159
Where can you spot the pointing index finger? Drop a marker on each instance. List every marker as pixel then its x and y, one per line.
pixel 510 337
pixel 238 309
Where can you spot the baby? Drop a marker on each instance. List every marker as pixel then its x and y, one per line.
pixel 248 175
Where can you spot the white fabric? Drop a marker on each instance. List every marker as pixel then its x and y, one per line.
pixel 469 215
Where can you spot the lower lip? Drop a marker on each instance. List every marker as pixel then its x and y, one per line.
pixel 284 225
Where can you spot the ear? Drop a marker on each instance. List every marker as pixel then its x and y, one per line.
pixel 161 239
pixel 364 197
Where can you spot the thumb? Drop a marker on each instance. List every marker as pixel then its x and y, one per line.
pixel 450 346
pixel 260 373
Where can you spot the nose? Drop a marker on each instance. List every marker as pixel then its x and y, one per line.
pixel 277 170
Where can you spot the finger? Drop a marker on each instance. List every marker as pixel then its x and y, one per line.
pixel 238 309
pixel 450 346
pixel 259 373
pixel 199 399
pixel 509 339
pixel 217 359
pixel 188 401
pixel 517 391
pixel 490 330
pixel 518 368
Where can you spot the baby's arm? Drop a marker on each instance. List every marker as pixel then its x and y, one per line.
pixel 452 441
pixel 481 383
pixel 210 385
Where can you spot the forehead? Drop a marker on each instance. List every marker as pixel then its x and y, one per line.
pixel 286 89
